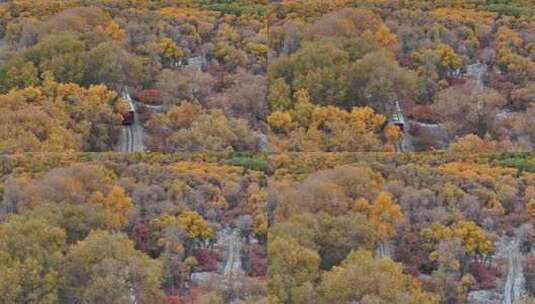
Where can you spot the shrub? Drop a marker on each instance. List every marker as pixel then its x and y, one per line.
pixel 257 260
pixel 485 275
pixel 207 258
pixel 149 96
pixel 425 113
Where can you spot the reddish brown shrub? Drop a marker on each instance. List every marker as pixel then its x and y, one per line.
pixel 424 113
pixel 149 96
pixel 207 258
pixel 172 300
pixel 257 258
pixel 500 83
pixel 220 75
pixel 454 81
pixel 485 275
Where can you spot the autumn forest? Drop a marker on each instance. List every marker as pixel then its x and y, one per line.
pixel 272 152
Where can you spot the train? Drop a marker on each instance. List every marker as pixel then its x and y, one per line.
pixel 128 118
pixel 130 114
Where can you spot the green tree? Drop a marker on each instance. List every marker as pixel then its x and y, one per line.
pixel 333 237
pixel 62 54
pixel 362 278
pixel 78 220
pixel 292 269
pixel 30 257
pixel 18 73
pixel 109 63
pixel 230 55
pixel 279 95
pixel 317 67
pixel 377 80
pixel 106 268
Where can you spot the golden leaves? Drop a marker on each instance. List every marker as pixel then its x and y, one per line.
pixel 384 213
pixel 472 236
pixel 117 206
pixel 114 31
pixel 195 225
pixel 170 51
pixel 280 122
pixel 329 127
pixel 464 16
pixel 473 144
pixel 386 38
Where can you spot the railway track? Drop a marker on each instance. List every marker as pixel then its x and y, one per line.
pixel 129 139
pixel 132 136
pixel 514 283
pixel 232 268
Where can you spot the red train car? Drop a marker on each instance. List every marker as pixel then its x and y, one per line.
pixel 128 118
pixel 129 115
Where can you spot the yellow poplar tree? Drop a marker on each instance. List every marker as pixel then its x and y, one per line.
pixel 170 51
pixel 392 133
pixel 117 206
pixel 280 122
pixel 384 213
pixel 195 225
pixel 303 108
pixel 114 31
pixel 448 58
pixel 386 38
pixel 472 236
